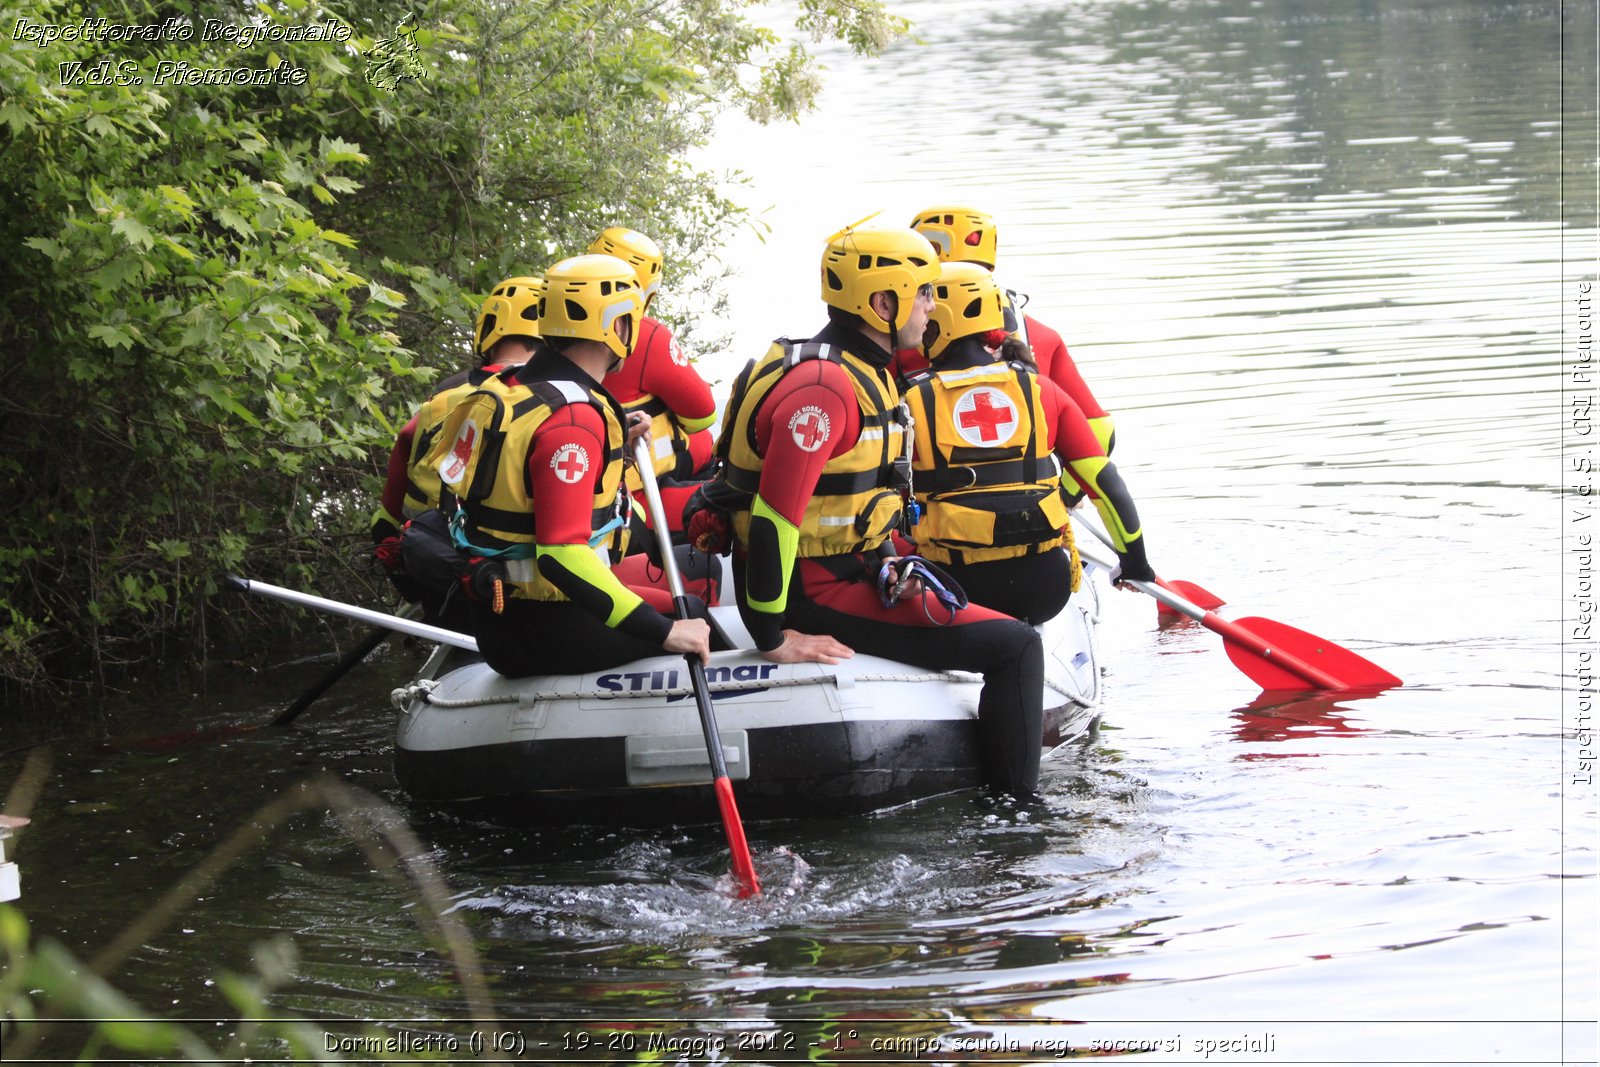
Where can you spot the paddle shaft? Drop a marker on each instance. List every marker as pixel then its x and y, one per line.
pixel 337 671
pixel 1177 588
pixel 1314 678
pixel 350 611
pixel 744 872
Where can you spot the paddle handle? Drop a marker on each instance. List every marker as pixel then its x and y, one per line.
pixel 744 871
pixel 350 611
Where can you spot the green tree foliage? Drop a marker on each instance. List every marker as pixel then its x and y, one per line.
pixel 223 292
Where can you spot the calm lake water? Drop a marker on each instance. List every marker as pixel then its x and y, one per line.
pixel 1326 264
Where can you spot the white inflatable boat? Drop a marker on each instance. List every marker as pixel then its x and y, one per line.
pixel 624 746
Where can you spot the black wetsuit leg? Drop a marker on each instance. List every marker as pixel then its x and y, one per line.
pixel 1007 652
pixel 555 637
pixel 1032 588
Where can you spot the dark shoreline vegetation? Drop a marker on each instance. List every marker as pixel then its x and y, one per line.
pixel 225 294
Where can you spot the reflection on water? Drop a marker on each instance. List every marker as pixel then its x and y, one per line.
pixel 1276 717
pixel 1310 256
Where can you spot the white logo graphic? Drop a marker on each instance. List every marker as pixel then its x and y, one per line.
pixel 680 358
pixel 454 465
pixel 571 462
pixel 809 427
pixel 984 416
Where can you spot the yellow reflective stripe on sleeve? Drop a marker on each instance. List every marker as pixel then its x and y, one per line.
pixel 1103 429
pixel 1088 472
pixel 582 561
pixel 382 515
pixel 696 425
pixel 788 549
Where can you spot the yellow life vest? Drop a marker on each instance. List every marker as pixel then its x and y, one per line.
pixel 982 467
pixel 858 499
pixel 422 479
pixel 668 441
pixel 481 456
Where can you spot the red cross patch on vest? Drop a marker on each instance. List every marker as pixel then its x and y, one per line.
pixel 984 416
pixel 454 465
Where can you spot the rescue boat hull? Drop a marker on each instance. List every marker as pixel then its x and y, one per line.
pixel 625 747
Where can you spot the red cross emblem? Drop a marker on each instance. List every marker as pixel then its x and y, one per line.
pixel 454 465
pixel 680 358
pixel 809 428
pixel 984 416
pixel 570 463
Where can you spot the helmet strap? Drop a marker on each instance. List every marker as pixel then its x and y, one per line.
pixel 894 324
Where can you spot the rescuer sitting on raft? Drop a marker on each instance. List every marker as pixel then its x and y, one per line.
pixel 988 432
pixel 813 446
pixel 408 529
pixel 659 380
pixel 535 460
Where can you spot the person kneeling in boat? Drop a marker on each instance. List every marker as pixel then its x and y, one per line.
pixel 660 381
pixel 535 461
pixel 966 235
pixel 813 440
pixel 994 510
pixel 409 532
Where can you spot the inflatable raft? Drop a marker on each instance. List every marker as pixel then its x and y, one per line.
pixel 625 745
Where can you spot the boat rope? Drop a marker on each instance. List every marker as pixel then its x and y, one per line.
pixel 422 689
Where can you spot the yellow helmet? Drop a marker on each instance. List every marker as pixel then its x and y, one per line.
pixel 512 310
pixel 636 250
pixel 966 301
pixel 860 262
pixel 961 234
pixel 586 296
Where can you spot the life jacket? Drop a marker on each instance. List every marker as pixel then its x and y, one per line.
pixel 982 466
pixel 481 457
pixel 422 479
pixel 668 442
pixel 860 495
pixel 668 439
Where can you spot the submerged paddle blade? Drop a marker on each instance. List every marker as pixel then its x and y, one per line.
pixel 1199 595
pixel 744 868
pixel 1336 662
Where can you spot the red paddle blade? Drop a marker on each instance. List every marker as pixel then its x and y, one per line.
pixel 1291 648
pixel 744 870
pixel 1199 595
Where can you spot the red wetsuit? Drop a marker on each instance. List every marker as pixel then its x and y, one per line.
pixel 660 369
pixel 1050 353
pixel 396 476
pixel 838 595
